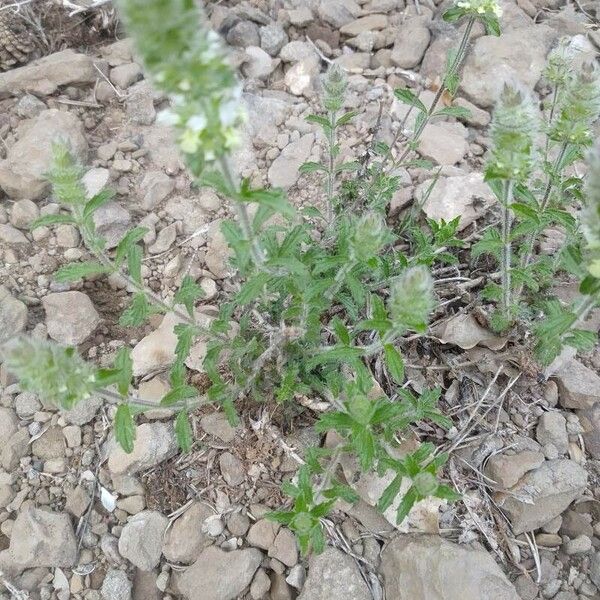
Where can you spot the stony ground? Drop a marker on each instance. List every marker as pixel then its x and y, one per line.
pixel 81 519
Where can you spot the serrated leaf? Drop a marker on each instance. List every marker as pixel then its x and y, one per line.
pixel 134 263
pixel 394 362
pixel 406 96
pixel 341 331
pixel 187 294
pixel 183 432
pixel 101 198
pixel 346 118
pixel 183 392
pixel 389 494
pixel 48 220
pixel 214 179
pixel 75 271
pixel 129 239
pixel 347 167
pixel 453 14
pixel 344 354
pixel 312 167
pixel 408 501
pixel 125 428
pixel 252 288
pixel 137 312
pixel 319 120
pixel 275 199
pixel 459 112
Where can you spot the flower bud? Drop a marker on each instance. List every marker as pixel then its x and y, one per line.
pixel 579 107
pixel 426 483
pixel 513 130
pixel 55 373
pixel 480 7
pixel 335 84
pixel 411 299
pixel 369 235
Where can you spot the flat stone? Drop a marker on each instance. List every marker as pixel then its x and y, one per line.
pixel 185 539
pixel 507 469
pixel 205 579
pixel 368 23
pixel 13 315
pixel 284 170
pixel 141 540
pixel 427 567
pixel 443 143
pixel 411 45
pixel 70 317
pixel 116 585
pixel 578 386
pixel 126 75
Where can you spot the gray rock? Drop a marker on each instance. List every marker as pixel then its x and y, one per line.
pixel 244 34
pixel 372 22
pixel 428 567
pixel 578 386
pixel 543 494
pixel 140 103
pixel 13 315
pixel 552 429
pixel 284 170
pixel 14 449
pixel 205 580
pixel 411 44
pixel 261 584
pixel 300 76
pixel 258 64
pixel 218 252
pixel 262 534
pixel 444 143
pixel 11 235
pixel 126 75
pixel 154 443
pixel 23 173
pixel 29 106
pixel 155 187
pixel 217 424
pixel 95 180
pixel 507 469
pixel 518 54
pixel 84 411
pixel 165 239
pixel 116 586
pixel 232 469
pixel 334 575
pixel 23 213
pixel 41 538
pixel 112 222
pixel 272 38
pixel 464 196
pixel 44 76
pixel 186 539
pixel 70 317
pixel 9 423
pixel 145 586
pixel 296 51
pixel 338 12
pixel 285 548
pixel 50 445
pixel 580 545
pixel 141 540
pixel 595 569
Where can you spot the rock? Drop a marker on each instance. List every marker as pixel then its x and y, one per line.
pixel 139 104
pixel 285 548
pixel 410 46
pixel 145 586
pixel 217 424
pixel 95 180
pixel 258 63
pixel 7 495
pixel 297 576
pixel 50 445
pixel 575 524
pixel 262 534
pixel 44 76
pixel 428 567
pixel 261 584
pixel 464 196
pixel 23 173
pixel 578 386
pixel 185 539
pixel 13 316
pixel 27 404
pixel 165 239
pixel 155 187
pixel 580 545
pixel 280 590
pixel 543 494
pixel 273 38
pixel 218 252
pixel 590 421
pixel 369 23
pixel 116 586
pixel 243 34
pixel 238 524
pixel 519 54
pixel 299 77
pixel 23 213
pixel 338 12
pixel 11 236
pixel 77 502
pixel 70 317
pixel 204 580
pixel 443 143
pixel 41 538
pixel 112 223
pixel 84 411
pixel 156 350
pixel 141 540
pixel 552 429
pixel 334 575
pixel 9 423
pixel 232 469
pixel 284 170
pixel 29 106
pixel 301 17
pixel 154 443
pixel 507 469
pixel 464 331
pixel 595 569
pixel 126 75
pixel 14 449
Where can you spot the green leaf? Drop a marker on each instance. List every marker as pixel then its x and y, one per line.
pixel 96 202
pixel 390 493
pixel 406 96
pixel 137 312
pixel 252 288
pixel 346 118
pixel 492 25
pixel 75 271
pixel 214 179
pixel 125 428
pixel 341 331
pixel 124 366
pixel 458 112
pixel 453 14
pixel 183 392
pixel 322 121
pixel 395 363
pixel 48 220
pixel 312 167
pixel 275 199
pixel 183 432
pixel 187 294
pixel 408 501
pixel 129 239
pixel 335 355
pixel 134 263
pixel 347 167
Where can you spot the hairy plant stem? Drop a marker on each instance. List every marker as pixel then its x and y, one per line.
pixel 242 214
pixel 135 400
pixel 332 140
pixel 506 262
pixel 584 308
pixel 329 472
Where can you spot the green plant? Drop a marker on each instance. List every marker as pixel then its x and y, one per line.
pixel 316 316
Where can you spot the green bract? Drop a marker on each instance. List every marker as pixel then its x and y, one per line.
pixel 188 62
pixel 55 373
pixel 590 218
pixel 411 299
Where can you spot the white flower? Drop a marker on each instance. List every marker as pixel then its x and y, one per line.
pixel 197 123
pixel 167 117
